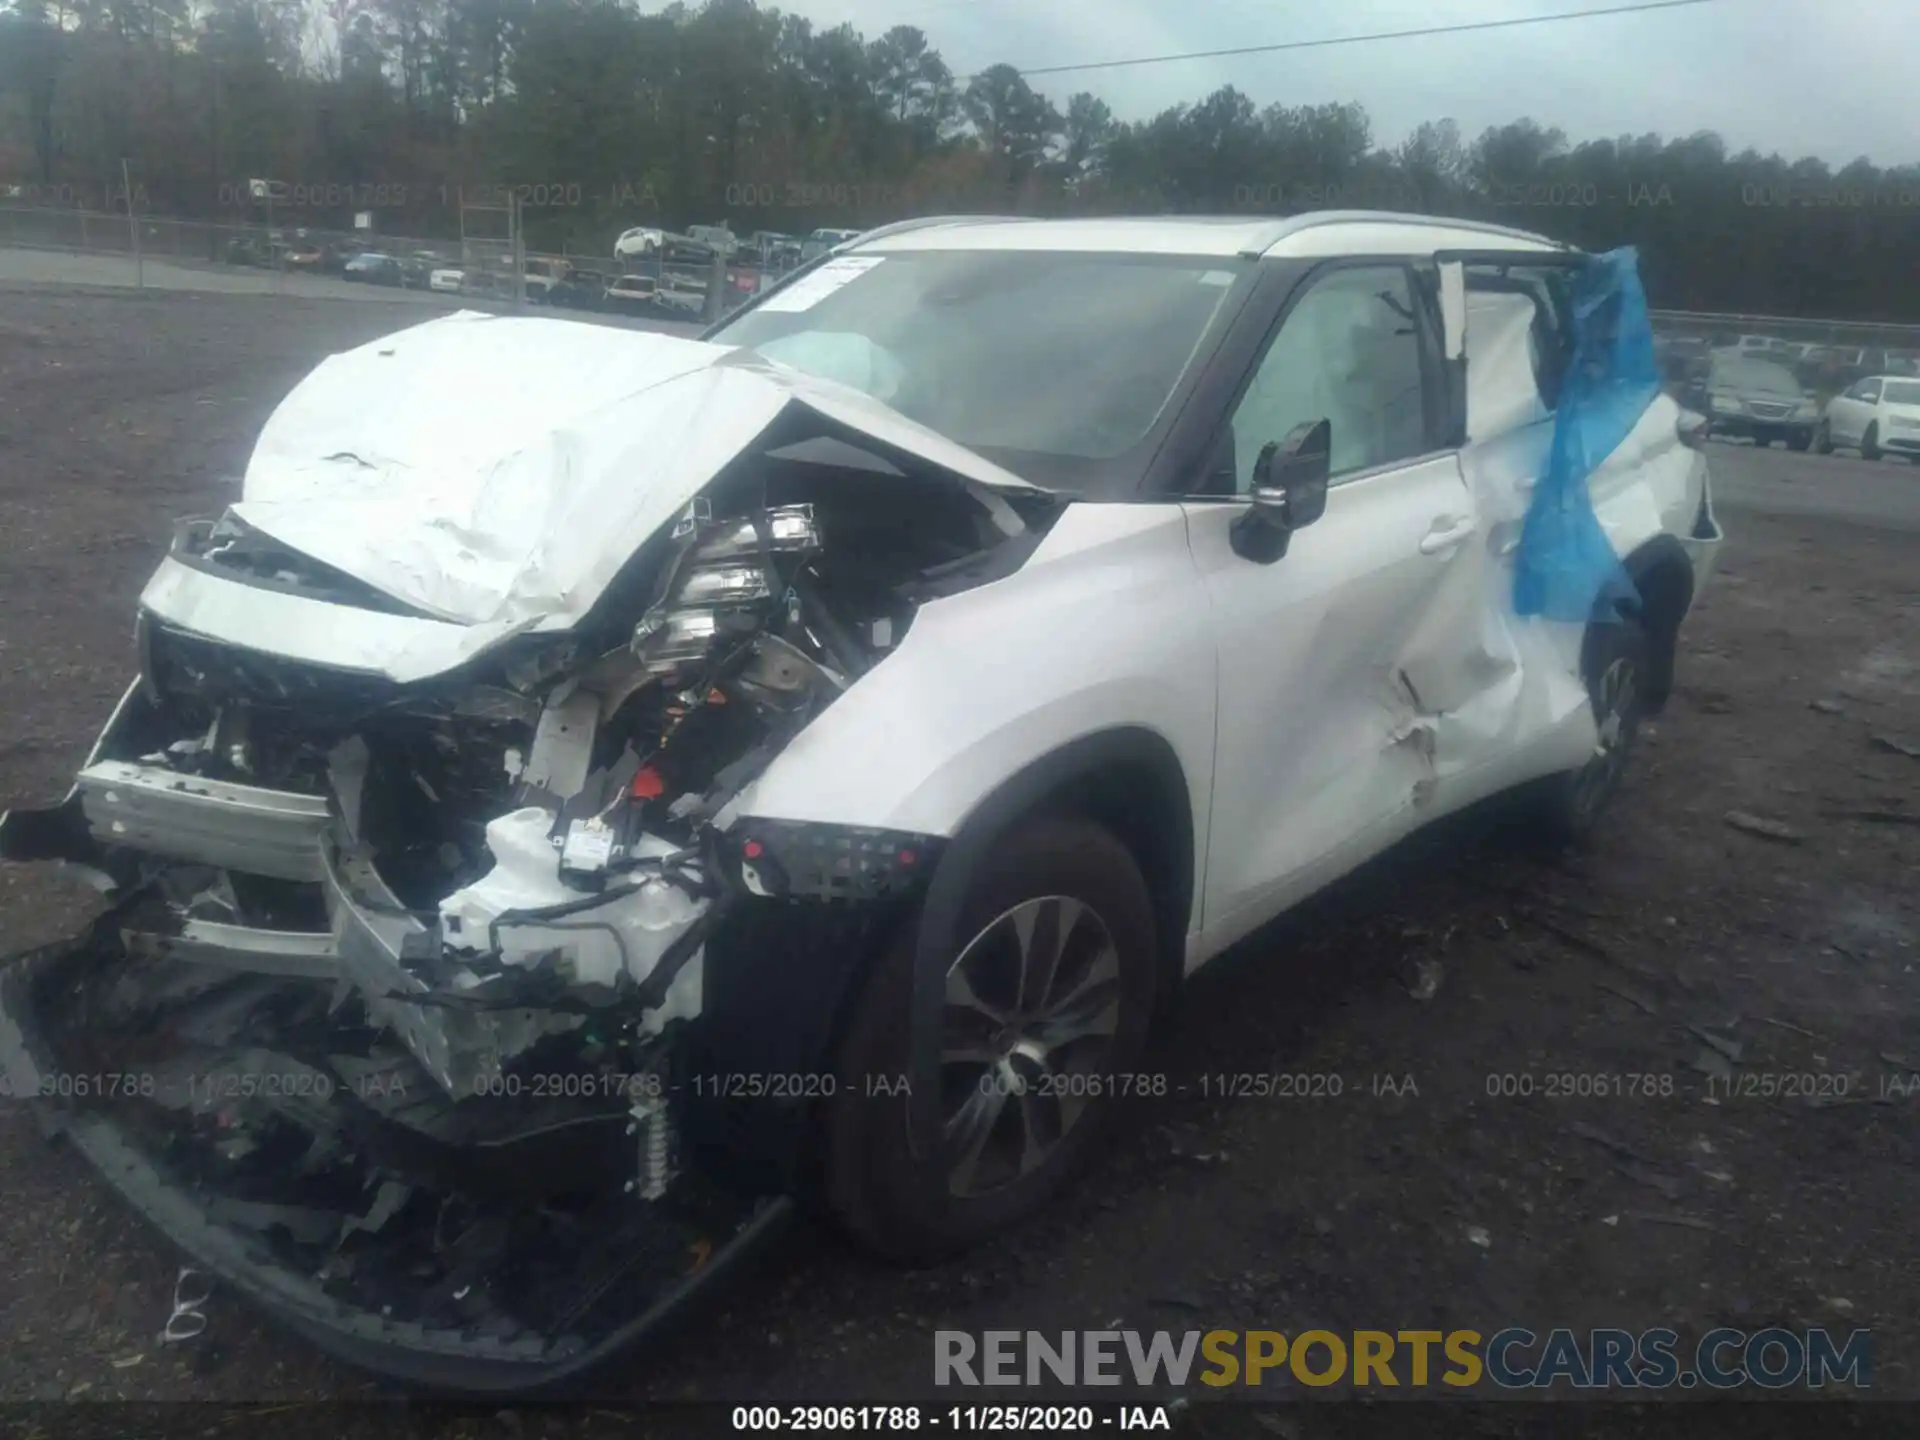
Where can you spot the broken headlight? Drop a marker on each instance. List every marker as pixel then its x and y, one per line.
pixel 722 584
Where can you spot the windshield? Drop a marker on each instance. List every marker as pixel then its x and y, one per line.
pixel 1028 357
pixel 1759 375
pixel 1902 392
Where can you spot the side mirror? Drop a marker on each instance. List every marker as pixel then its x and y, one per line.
pixel 1289 492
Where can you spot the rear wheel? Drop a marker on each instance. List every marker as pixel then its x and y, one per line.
pixel 1870 442
pixel 1569 806
pixel 1048 994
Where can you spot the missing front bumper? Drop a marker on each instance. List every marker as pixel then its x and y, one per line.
pixel 616 1269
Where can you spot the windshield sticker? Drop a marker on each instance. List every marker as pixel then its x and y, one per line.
pixel 1217 277
pixel 808 292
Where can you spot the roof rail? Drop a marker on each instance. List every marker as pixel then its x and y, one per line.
pixel 923 222
pixel 1280 229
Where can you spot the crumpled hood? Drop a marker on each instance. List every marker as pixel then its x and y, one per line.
pixel 500 470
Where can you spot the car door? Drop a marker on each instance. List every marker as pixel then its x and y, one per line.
pixel 1322 746
pixel 1855 408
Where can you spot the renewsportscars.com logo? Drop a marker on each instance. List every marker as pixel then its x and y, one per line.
pixel 1513 1358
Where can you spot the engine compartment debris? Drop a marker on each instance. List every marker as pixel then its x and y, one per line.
pixel 414 973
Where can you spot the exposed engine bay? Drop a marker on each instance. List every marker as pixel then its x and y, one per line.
pixel 415 982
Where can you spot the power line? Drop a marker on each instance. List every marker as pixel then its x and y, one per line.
pixel 1460 29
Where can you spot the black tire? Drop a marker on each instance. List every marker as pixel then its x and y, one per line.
pixel 1799 442
pixel 1870 442
pixel 876 1180
pixel 1568 807
pixel 1823 440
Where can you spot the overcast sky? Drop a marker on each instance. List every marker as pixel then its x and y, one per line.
pixel 1832 78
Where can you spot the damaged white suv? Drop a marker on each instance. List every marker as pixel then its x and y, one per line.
pixel 594 788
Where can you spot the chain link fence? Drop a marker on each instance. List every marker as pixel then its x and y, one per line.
pixel 1728 329
pixel 477 265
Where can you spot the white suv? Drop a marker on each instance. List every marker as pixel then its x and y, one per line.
pixel 596 787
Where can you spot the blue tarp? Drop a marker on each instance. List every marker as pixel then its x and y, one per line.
pixel 1566 568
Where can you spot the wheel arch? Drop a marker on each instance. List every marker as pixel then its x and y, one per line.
pixel 1129 772
pixel 1662 573
pixel 1128 779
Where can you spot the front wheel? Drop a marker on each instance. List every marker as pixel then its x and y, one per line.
pixel 1870 442
pixel 1048 1000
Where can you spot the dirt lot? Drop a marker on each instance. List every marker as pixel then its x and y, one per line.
pixel 1440 1207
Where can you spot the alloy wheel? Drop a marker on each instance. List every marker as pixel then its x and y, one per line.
pixel 1030 1017
pixel 1617 719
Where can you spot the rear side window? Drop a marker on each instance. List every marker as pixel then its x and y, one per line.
pixel 1553 340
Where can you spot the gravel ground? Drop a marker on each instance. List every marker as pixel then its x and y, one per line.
pixel 1440 1206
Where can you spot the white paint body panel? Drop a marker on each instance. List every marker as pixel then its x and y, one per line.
pixel 1367 683
pixel 493 470
pixel 1106 625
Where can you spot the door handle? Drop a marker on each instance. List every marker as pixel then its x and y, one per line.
pixel 1446 534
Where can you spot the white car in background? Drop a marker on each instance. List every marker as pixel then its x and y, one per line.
pixel 640 242
pixel 595 788
pixel 447 281
pixel 1877 415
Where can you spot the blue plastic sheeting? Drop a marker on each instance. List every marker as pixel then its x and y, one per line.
pixel 1566 568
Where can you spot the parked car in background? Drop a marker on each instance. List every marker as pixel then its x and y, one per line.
pixel 581 290
pixel 306 256
pixel 543 276
pixel 372 268
pixel 821 241
pixel 631 295
pixel 684 250
pixel 764 244
pixel 682 297
pixel 717 238
pixel 446 280
pixel 335 254
pixel 1875 416
pixel 249 250
pixel 1856 362
pixel 743 283
pixel 1741 394
pixel 487 284
pixel 641 242
pixel 1762 347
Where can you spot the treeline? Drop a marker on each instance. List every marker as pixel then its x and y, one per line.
pixel 601 117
